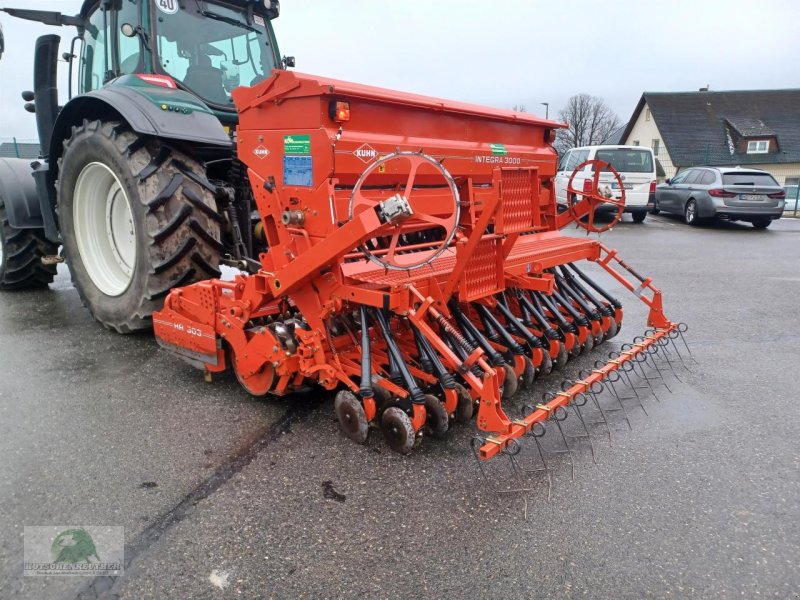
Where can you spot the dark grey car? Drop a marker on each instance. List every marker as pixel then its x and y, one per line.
pixel 735 194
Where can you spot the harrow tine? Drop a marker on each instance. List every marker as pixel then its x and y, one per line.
pixel 671 337
pixel 595 393
pixel 536 432
pixel 511 451
pixel 649 354
pixel 582 400
pixel 621 408
pixel 558 415
pixel 630 367
pixel 617 377
pixel 663 345
pixel 681 329
pixel 577 402
pixel 637 361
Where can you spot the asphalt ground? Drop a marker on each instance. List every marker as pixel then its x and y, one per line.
pixel 699 498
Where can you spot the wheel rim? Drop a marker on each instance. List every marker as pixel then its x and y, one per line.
pixel 104 229
pixel 690 212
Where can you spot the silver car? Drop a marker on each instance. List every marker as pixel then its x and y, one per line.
pixel 735 194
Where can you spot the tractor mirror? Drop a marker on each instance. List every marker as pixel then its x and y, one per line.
pixel 288 61
pixel 128 30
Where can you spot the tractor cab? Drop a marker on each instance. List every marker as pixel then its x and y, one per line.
pixel 206 47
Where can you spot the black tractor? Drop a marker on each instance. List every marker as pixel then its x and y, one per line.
pixel 138 181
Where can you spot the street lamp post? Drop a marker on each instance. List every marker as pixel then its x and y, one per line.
pixel 546 109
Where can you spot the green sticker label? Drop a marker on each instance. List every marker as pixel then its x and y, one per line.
pixel 297 144
pixel 498 149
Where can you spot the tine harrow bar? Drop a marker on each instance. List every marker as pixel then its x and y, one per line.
pixel 419 269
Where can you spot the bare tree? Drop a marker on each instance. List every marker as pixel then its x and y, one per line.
pixel 590 122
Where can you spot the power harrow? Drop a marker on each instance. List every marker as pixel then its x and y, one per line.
pixel 415 262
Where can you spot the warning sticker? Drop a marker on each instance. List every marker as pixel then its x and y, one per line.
pixel 169 7
pixel 259 20
pixel 498 149
pixel 298 170
pixel 297 144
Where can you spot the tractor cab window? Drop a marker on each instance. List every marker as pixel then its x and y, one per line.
pixel 129 47
pixel 212 48
pixel 106 53
pixel 95 60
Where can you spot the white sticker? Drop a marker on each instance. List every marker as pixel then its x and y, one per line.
pixel 259 20
pixel 169 7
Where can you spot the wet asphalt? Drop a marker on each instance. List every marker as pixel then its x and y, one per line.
pixel 699 497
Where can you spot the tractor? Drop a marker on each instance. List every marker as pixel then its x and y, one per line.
pixel 138 179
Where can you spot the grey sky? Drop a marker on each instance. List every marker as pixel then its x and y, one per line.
pixel 502 52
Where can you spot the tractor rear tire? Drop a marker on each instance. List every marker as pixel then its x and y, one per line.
pixel 138 218
pixel 21 252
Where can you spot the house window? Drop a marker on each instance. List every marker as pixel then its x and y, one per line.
pixel 635 142
pixel 646 114
pixel 656 144
pixel 758 147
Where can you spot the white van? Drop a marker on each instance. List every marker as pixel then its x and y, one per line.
pixel 636 166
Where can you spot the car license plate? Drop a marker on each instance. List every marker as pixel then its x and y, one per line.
pixel 627 186
pixel 753 197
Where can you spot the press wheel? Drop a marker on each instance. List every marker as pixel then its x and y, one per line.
pixel 466 405
pixel 547 364
pixel 351 416
pixel 438 420
pixel 529 374
pixel 510 382
pixel 561 357
pixel 397 430
pixel 613 329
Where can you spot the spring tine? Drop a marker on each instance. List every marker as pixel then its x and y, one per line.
pixel 620 398
pixel 588 436
pixel 613 389
pixel 568 450
pixel 638 360
pixel 625 371
pixel 558 415
pixel 663 345
pixel 590 393
pixel 671 337
pixel 651 356
pixel 681 328
pixel 475 445
pixel 536 434
pixel 603 417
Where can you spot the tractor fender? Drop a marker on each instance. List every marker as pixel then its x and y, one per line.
pixel 148 109
pixel 18 193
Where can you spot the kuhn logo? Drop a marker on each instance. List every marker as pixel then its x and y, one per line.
pixel 261 152
pixel 366 153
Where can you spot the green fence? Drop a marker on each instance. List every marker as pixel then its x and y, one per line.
pixel 17 148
